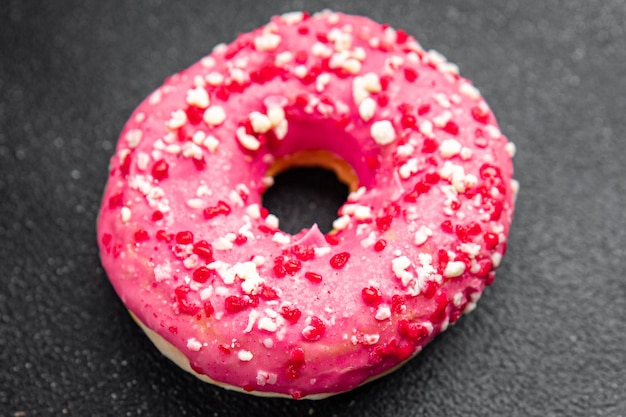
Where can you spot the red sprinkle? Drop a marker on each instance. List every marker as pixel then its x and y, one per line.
pixel 204 250
pixel 116 200
pixel 423 109
pixel 303 253
pixel 184 306
pixel 202 274
pixel 383 223
pixel 268 293
pixel 313 277
pixel 141 235
pixel 208 308
pixel 430 145
pixel 452 128
pixel 480 115
pixel 372 296
pixel 412 331
pixel 339 260
pixel 194 114
pixel 401 36
pixel 491 240
pixel 221 208
pixel 164 236
pixel 235 304
pixel 380 245
pixel 157 215
pixel 160 170
pixel 410 74
pixel 292 266
pixel 291 314
pixel 184 238
pixel 315 330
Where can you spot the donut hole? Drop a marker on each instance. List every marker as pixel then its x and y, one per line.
pixel 308 188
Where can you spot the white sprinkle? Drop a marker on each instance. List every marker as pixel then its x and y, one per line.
pixel 371 82
pixel 276 115
pixel 206 293
pixel 211 143
pixel 353 66
pixel 449 148
pixel 258 260
pixel 214 116
pixel 466 153
pixel 322 251
pixel 367 109
pixel 222 243
pixel 177 119
pixel 457 299
pixel 252 316
pixel 443 118
pixel 283 58
pixel 322 81
pixel 133 137
pixel 194 203
pixel 426 128
pixel 162 272
pixel 268 324
pixel 191 261
pixel 193 344
pixel 247 141
pixel 235 198
pixel 126 214
pixel 405 150
pixel 245 355
pixel 356 195
pixel 422 235
pixel 281 238
pixel 409 168
pixel 442 100
pixel 321 50
pixel 191 150
pixel 510 149
pixel 208 61
pixel 198 97
pixel 383 132
pixel 493 131
pixel 454 269
pixel 341 222
pixel 260 122
pixel 300 71
pixel 272 221
pixel 496 259
pixel 155 98
pixel 214 78
pixel 468 90
pixel 267 42
pixel 371 339
pixel 363 213
pixel 399 266
pixel 359 91
pixel 143 159
pixel 383 313
pixel 254 211
pixel 292 17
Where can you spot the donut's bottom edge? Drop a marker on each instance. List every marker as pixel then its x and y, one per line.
pixel 179 358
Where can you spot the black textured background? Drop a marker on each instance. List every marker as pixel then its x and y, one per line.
pixel 548 338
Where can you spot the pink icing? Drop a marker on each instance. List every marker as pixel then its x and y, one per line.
pixel 193 255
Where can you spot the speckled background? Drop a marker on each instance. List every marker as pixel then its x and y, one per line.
pixel 548 338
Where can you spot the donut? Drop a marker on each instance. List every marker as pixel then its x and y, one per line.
pixel 205 269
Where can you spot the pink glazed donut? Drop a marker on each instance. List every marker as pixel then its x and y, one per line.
pixel 206 271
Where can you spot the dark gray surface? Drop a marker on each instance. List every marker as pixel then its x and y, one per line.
pixel 548 338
